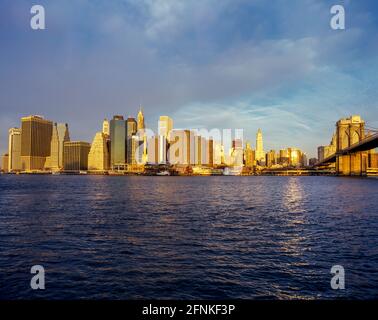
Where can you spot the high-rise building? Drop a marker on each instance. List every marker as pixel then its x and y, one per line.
pixel 106 127
pixel 131 130
pixel 5 162
pixel 283 158
pixel 180 146
pixel 237 152
pixel 118 141
pixel 36 135
pixel 140 117
pixel 260 154
pixel 98 157
pixel 271 158
pixel 209 161
pixel 197 152
pixel 60 135
pixel 165 126
pixel 75 156
pixel 153 150
pixel 249 156
pixel 295 157
pixel 133 155
pixel 162 149
pixel 14 150
pixel 218 155
pixel 329 150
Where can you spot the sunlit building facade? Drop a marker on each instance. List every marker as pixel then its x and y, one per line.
pixel 165 126
pixel 5 162
pixel 260 154
pixel 271 158
pixel 36 133
pixel 75 156
pixel 106 127
pixel 14 150
pixel 249 155
pixel 60 135
pixel 99 157
pixel 180 146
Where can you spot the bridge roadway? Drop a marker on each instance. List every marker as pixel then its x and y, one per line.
pixel 368 143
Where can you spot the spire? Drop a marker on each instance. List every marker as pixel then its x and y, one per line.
pixel 140 117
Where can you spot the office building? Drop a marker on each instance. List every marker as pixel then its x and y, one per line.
pixel 270 158
pixel 106 127
pixel 260 154
pixel 99 157
pixel 36 133
pixel 75 156
pixel 60 135
pixel 118 141
pixel 14 150
pixel 249 156
pixel 5 163
pixel 153 150
pixel 180 146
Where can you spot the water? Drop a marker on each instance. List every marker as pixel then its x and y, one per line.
pixel 188 237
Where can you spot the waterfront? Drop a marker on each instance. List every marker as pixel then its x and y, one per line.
pixel 188 237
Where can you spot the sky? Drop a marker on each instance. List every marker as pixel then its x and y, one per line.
pixel 275 65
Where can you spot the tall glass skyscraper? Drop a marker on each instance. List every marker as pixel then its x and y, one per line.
pixel 118 141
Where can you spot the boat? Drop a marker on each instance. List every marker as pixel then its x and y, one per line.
pixel 163 173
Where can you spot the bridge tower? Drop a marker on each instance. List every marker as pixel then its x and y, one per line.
pixel 348 132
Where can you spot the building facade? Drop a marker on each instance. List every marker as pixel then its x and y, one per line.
pixel 5 162
pixel 60 135
pixel 165 126
pixel 118 141
pixel 260 154
pixel 14 150
pixel 99 157
pixel 75 156
pixel 36 133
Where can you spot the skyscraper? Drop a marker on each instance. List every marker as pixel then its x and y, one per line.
pixel 75 156
pixel 60 135
pixel 36 135
pixel 270 158
pixel 249 156
pixel 118 142
pixel 98 157
pixel 141 125
pixel 165 126
pixel 180 146
pixel 260 154
pixel 106 127
pixel 131 128
pixel 210 152
pixel 14 150
pixel 152 150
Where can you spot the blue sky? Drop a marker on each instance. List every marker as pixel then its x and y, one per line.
pixel 275 65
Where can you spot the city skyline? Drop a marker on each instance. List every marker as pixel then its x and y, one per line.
pixel 247 66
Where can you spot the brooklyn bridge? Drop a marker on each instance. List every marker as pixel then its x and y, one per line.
pixel 351 150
